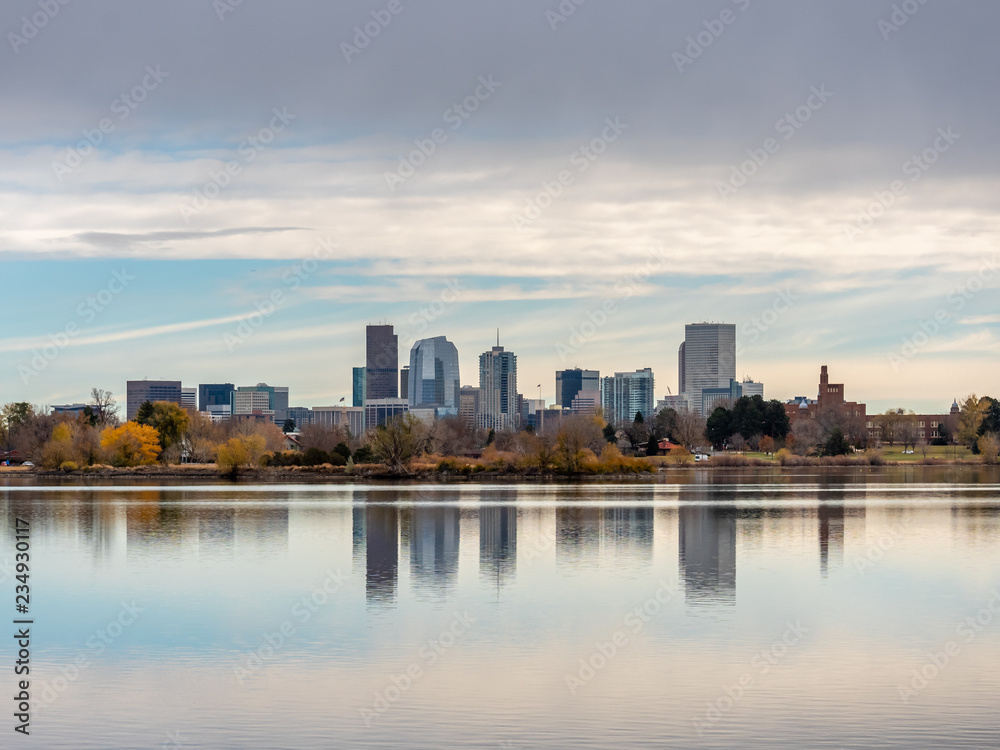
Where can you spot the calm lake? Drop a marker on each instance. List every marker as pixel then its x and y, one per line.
pixel 821 609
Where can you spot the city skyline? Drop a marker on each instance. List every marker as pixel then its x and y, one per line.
pixel 128 404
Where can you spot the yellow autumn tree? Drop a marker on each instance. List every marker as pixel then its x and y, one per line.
pixel 241 453
pixel 131 444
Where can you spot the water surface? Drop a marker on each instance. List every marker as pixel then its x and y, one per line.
pixel 819 610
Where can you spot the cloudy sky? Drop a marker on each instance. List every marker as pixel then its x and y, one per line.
pixel 228 191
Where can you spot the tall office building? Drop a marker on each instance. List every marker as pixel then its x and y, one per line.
pixel 434 380
pixel 404 382
pixel 571 382
pixel 707 359
pixel 498 390
pixel 189 398
pixel 280 404
pixel 360 380
pixel 381 362
pixel 215 394
pixel 468 404
pixel 626 393
pixel 261 400
pixel 138 391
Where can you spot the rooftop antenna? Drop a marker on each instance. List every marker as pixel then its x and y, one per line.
pixel 498 337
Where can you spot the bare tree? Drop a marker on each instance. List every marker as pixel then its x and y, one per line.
pixel 106 408
pixel 738 442
pixel 907 432
pixel 807 434
pixel 689 428
pixel 398 441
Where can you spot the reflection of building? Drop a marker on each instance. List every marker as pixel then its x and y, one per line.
pixel 497 542
pixel 831 535
pixel 707 544
pixel 434 538
pixel 621 533
pixel 381 553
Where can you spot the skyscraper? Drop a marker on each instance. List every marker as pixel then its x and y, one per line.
pixel 707 359
pixel 498 390
pixel 360 381
pixel 627 393
pixel 381 362
pixel 571 382
pixel 434 381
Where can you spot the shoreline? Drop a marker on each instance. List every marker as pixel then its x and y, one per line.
pixel 326 474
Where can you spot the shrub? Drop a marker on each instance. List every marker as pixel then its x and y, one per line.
pixel 874 457
pixel 68 466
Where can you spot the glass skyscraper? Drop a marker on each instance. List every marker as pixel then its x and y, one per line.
pixel 433 378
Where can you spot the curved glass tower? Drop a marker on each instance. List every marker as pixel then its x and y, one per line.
pixel 434 382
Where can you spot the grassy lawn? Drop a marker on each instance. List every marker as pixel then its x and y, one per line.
pixel 895 453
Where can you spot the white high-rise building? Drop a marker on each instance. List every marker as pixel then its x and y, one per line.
pixel 706 359
pixel 498 390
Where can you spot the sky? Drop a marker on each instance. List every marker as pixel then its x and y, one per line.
pixel 229 191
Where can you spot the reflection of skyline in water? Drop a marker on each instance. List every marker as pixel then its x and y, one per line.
pixel 434 540
pixel 381 553
pixel 707 553
pixel 498 543
pixel 585 536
